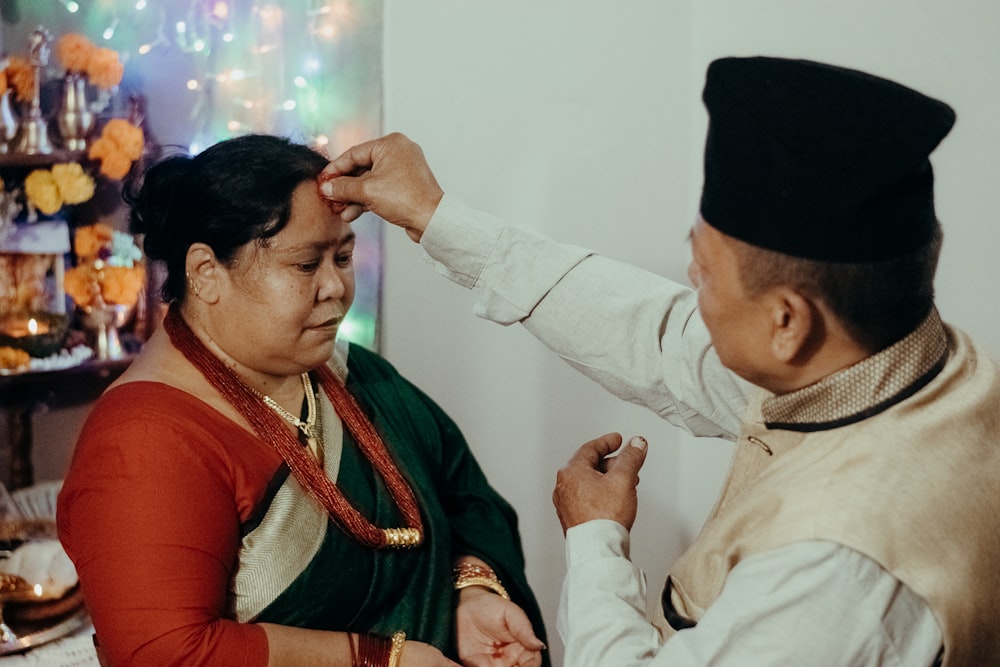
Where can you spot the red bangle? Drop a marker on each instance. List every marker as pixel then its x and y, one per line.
pixel 373 651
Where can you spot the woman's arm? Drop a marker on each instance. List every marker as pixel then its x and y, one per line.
pixel 296 647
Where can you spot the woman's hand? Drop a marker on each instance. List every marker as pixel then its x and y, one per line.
pixel 493 632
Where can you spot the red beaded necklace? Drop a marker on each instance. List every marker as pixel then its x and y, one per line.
pixel 270 428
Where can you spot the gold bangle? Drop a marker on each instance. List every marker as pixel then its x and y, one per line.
pixel 486 582
pixel 472 574
pixel 396 652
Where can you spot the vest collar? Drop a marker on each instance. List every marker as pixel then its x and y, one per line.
pixel 866 388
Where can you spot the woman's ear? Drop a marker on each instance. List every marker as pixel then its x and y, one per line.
pixel 795 326
pixel 204 271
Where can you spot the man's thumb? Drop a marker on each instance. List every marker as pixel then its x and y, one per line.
pixel 631 457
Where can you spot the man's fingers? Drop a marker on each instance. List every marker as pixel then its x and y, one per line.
pixel 356 158
pixel 342 194
pixel 591 453
pixel 352 212
pixel 630 459
pixel 340 189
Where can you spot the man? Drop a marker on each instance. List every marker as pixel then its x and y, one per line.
pixel 857 526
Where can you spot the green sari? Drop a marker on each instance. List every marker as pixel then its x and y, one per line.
pixel 297 568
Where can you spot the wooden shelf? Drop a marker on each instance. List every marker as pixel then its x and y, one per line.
pixel 20 393
pixel 15 160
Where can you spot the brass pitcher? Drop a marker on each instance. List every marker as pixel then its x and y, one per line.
pixel 74 119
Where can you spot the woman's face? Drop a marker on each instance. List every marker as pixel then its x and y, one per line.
pixel 284 301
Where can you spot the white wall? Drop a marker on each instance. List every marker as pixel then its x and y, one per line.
pixel 584 119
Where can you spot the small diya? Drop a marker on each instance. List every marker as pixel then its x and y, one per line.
pixel 39 334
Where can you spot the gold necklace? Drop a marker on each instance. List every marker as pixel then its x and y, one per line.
pixel 310 428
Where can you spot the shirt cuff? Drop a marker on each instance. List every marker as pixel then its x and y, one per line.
pixel 594 540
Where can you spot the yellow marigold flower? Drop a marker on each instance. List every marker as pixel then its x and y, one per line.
pixel 21 76
pixel 75 185
pixel 121 285
pixel 43 191
pixel 89 240
pixel 104 69
pixel 126 136
pixel 74 51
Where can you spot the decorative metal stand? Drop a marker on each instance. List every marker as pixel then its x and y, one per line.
pixel 33 137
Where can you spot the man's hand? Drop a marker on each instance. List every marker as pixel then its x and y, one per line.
pixel 387 176
pixel 593 486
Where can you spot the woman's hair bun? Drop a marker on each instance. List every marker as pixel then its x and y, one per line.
pixel 153 201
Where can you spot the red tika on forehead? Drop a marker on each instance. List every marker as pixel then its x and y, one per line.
pixel 336 206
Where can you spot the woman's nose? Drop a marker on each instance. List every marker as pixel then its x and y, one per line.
pixel 331 282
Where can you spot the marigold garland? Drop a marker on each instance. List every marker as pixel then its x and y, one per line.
pixel 79 55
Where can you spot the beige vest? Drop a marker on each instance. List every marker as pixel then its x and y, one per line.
pixel 916 488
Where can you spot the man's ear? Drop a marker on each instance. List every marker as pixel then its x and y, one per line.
pixel 204 273
pixel 796 325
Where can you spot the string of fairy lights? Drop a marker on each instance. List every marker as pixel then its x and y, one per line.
pixel 212 69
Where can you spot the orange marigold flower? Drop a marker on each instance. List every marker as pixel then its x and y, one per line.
pixel 80 283
pixel 119 145
pixel 89 240
pixel 121 285
pixel 74 51
pixel 126 136
pixel 100 148
pixel 3 81
pixel 115 165
pixel 104 69
pixel 21 76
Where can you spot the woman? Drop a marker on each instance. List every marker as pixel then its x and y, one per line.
pixel 253 491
